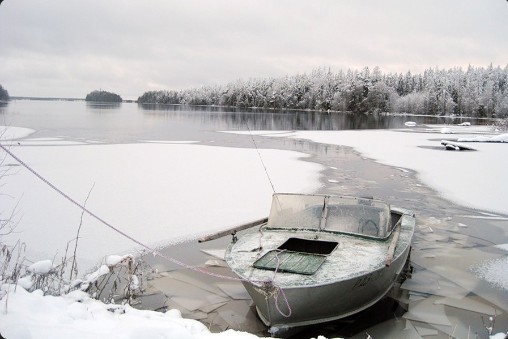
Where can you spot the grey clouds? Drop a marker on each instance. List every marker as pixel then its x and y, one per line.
pixel 67 48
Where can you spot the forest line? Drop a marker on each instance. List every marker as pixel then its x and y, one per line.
pixel 476 92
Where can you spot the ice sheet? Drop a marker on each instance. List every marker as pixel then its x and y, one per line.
pixel 438 169
pixel 150 191
pixel 461 271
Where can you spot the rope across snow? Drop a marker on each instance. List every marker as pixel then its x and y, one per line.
pixel 134 240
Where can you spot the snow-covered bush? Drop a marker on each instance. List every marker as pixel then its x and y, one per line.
pixel 119 277
pixel 502 124
pixel 11 263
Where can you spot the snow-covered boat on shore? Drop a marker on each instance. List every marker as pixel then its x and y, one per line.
pixel 320 257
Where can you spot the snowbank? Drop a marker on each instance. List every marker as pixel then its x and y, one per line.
pixel 32 316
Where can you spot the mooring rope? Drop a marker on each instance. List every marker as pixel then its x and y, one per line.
pixel 280 290
pixel 141 244
pixel 117 230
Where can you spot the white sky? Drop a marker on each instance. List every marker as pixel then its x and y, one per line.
pixel 67 48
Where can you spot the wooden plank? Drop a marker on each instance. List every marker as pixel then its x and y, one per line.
pixel 233 230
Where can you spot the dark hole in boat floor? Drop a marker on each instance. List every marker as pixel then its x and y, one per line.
pixel 309 246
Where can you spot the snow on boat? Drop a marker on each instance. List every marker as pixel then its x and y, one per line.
pixel 320 257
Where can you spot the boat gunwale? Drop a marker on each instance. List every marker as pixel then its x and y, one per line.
pixel 254 283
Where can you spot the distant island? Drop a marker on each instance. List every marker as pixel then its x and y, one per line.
pixel 4 95
pixel 103 96
pixel 475 92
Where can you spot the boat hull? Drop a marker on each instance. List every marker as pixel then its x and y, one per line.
pixel 302 306
pixel 310 274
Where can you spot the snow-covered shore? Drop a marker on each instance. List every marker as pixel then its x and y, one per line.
pixel 76 315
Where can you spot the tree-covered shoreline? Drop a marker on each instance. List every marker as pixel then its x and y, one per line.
pixel 103 96
pixel 476 92
pixel 4 95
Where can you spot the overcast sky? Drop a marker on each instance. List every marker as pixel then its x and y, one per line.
pixel 67 48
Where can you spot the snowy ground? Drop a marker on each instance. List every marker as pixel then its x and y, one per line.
pixel 165 192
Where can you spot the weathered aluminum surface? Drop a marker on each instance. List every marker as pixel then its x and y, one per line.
pixel 353 277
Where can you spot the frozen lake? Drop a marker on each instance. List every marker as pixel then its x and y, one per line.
pixel 168 176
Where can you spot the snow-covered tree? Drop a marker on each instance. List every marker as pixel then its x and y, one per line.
pixel 477 91
pixel 4 95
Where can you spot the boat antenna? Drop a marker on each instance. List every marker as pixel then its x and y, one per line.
pixel 261 158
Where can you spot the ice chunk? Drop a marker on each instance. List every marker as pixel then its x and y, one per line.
pixel 114 260
pixel 425 332
pixel 190 304
pixel 211 307
pixel 240 316
pixel 469 304
pixel 428 312
pixel 431 283
pixel 461 272
pixel 217 253
pixel 216 263
pixel 234 290
pixel 495 271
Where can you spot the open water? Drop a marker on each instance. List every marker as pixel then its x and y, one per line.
pixel 130 122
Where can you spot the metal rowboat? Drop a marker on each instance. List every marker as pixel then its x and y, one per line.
pixel 319 257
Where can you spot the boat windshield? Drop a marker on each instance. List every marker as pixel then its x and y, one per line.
pixel 330 213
